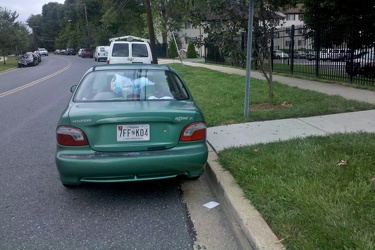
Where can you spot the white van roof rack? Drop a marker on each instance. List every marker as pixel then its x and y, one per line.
pixel 128 38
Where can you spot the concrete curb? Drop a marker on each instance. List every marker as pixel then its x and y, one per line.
pixel 252 230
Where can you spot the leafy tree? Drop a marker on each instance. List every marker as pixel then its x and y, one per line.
pixel 35 22
pixel 226 21
pixel 14 34
pixel 46 26
pixel 266 19
pixel 332 10
pixel 168 15
pixel 123 18
pixel 351 18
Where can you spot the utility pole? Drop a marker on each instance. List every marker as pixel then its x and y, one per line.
pixel 87 21
pixel 151 31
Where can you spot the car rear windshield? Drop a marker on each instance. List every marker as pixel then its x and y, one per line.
pixel 131 85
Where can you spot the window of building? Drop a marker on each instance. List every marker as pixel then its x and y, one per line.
pixel 188 26
pixel 301 43
pixel 291 17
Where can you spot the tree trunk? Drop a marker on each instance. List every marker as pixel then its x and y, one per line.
pixel 165 31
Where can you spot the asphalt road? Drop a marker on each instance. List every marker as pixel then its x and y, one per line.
pixel 37 212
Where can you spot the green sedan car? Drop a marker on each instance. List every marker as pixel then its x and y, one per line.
pixel 130 123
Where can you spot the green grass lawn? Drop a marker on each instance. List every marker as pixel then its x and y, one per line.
pixel 11 62
pixel 221 96
pixel 316 192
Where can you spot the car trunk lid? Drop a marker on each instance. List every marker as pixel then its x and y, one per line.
pixel 132 126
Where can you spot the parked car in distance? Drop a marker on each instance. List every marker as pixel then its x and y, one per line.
pixel 57 52
pixel 339 55
pixel 70 51
pixel 299 54
pixel 87 52
pixel 369 68
pixel 130 122
pixel 38 55
pixel 43 51
pixel 101 53
pixel 364 65
pixel 80 52
pixel 27 59
pixel 62 52
pixel 310 55
pixel 324 55
pixel 129 49
pixel 279 54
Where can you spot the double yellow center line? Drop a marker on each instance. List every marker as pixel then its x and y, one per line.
pixel 34 82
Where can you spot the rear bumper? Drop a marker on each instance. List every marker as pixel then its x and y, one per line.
pixel 84 165
pixel 102 58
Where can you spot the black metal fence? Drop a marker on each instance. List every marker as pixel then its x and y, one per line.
pixel 340 51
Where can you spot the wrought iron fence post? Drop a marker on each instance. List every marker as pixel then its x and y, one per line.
pixel 317 52
pixel 291 50
pixel 272 44
pixel 352 47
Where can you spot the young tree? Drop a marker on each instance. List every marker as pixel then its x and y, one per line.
pixel 191 53
pixel 266 19
pixel 169 15
pixel 172 50
pixel 226 21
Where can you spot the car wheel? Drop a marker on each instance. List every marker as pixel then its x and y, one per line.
pixel 70 185
pixel 193 178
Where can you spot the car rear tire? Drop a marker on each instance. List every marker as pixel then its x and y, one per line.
pixel 70 186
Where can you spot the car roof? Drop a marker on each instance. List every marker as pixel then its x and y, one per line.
pixel 130 66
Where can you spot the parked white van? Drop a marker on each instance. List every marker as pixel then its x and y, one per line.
pixel 129 49
pixel 101 53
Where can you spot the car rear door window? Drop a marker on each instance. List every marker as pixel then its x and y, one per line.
pixel 139 50
pixel 120 50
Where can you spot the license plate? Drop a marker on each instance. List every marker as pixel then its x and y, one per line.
pixel 135 132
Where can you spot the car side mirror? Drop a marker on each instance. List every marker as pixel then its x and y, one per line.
pixel 73 88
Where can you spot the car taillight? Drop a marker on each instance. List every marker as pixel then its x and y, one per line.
pixel 70 136
pixel 194 132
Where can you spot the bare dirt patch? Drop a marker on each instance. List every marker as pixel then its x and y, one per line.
pixel 270 106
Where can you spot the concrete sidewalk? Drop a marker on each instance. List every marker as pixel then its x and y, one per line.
pixel 236 135
pixel 326 88
pixel 255 232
